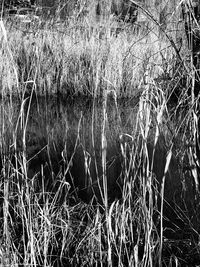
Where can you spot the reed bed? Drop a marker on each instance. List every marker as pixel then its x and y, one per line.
pixel 80 58
pixel 155 221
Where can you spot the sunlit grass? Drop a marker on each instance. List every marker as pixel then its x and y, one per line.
pixel 80 59
pixel 155 218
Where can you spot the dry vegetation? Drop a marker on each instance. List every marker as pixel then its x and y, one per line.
pixel 155 222
pixel 86 57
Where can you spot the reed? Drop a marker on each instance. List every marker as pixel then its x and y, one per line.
pixel 154 220
pixel 78 59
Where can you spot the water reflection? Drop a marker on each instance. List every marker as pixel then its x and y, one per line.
pixel 51 132
pixel 62 140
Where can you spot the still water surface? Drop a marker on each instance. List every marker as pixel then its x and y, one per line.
pixel 62 139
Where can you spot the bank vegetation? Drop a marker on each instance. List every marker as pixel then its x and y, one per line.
pixel 155 221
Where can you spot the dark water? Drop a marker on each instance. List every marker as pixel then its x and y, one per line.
pixel 52 141
pixel 62 140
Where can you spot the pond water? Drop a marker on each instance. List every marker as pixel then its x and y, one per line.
pixel 53 143
pixel 63 138
pixel 61 141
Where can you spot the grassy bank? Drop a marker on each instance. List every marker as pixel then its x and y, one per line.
pixel 83 57
pixel 154 220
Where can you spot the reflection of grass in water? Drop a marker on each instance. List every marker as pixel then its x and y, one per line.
pixel 43 222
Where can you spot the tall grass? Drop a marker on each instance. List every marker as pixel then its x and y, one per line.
pixel 83 57
pixel 155 221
